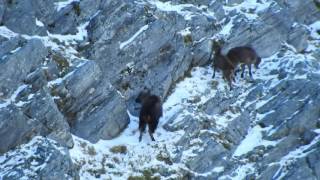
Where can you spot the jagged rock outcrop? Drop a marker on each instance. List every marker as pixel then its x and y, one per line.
pixel 277 23
pixel 25 101
pixel 171 51
pixel 18 63
pixel 94 108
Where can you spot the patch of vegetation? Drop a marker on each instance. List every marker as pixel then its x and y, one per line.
pixel 77 9
pixel 165 48
pixel 116 160
pixel 97 172
pixel 318 124
pixel 214 84
pixel 119 149
pixel 164 157
pixel 317 3
pixel 126 71
pixel 83 144
pixel 124 8
pixel 146 175
pixel 226 145
pixel 91 151
pixel 62 63
pixel 109 165
pixel 187 39
pixel 189 1
pixel 125 86
pixel 9 2
pixel 79 163
pixel 52 25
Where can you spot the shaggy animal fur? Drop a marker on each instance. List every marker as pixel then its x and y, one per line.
pixel 222 62
pixel 150 113
pixel 245 56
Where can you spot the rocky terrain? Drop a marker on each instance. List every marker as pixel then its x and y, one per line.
pixel 70 71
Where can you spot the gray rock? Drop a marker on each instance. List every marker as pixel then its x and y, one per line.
pixel 89 9
pixel 162 64
pixel 218 104
pixel 53 125
pixel 104 120
pixel 41 158
pixel 264 35
pixel 16 127
pixel 19 64
pixel 237 129
pixel 66 20
pixel 299 10
pixel 208 152
pixel 274 25
pixel 282 74
pixel 301 168
pixel 2 9
pixel 216 7
pixel 37 79
pixel 293 104
pixel 20 17
pixel 313 162
pixel 83 78
pixel 268 172
pixel 255 94
pixel 30 115
pixel 93 107
pixel 299 38
pixel 209 157
pixel 10 45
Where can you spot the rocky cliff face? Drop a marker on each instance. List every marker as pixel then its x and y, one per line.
pixel 70 71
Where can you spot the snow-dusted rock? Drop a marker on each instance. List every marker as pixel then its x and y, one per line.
pixel 41 158
pixel 93 107
pixel 146 46
pixel 20 16
pixel 26 116
pixel 19 62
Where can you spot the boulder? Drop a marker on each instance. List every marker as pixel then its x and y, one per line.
pixel 20 63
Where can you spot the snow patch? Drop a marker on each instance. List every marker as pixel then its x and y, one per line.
pixel 141 30
pixel 13 97
pixel 185 32
pixel 249 8
pixel 252 140
pixel 60 5
pixel 39 23
pixel 80 36
pixel 7 33
pixel 15 50
pixel 168 6
pixel 218 169
pixel 315 30
pixel 240 173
